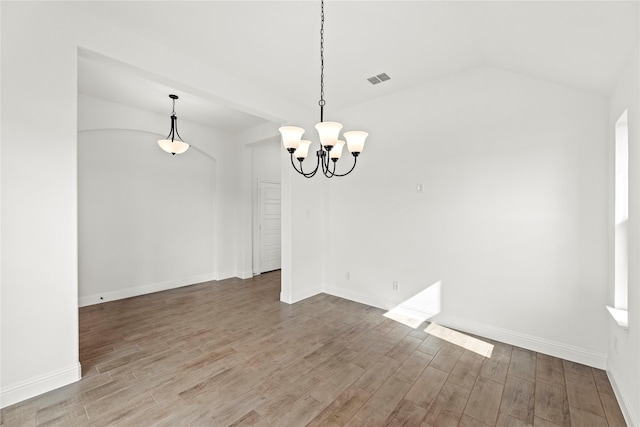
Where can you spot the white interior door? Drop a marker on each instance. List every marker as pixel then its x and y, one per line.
pixel 269 226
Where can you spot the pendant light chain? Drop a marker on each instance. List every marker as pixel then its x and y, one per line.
pixel 322 101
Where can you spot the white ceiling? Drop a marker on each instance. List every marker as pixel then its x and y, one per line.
pixel 275 45
pixel 117 83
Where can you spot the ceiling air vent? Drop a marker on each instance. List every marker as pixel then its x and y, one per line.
pixel 379 78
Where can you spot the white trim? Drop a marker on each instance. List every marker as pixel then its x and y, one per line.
pixel 247 274
pixel 256 264
pixel 620 316
pixel 142 290
pixel 40 384
pixel 540 345
pixel 413 311
pixel 625 403
pixel 226 275
pixel 372 300
pixel 301 295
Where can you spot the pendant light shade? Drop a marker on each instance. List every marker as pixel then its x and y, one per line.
pixel 291 136
pixel 303 150
pixel 328 133
pixel 173 144
pixel 336 152
pixel 355 141
pixel 174 147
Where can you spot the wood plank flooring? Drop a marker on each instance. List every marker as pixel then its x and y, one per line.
pixel 229 353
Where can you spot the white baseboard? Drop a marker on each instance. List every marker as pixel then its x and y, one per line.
pixel 141 290
pixel 247 274
pixel 40 384
pixel 626 405
pixel 305 293
pixel 301 295
pixel 223 275
pixel 372 300
pixel 540 345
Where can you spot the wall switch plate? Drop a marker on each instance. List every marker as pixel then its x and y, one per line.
pixel 419 188
pixel 395 286
pixel 348 275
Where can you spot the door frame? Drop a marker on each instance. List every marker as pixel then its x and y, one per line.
pixel 257 235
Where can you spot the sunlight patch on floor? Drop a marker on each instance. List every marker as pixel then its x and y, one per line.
pixel 406 319
pixel 420 308
pixel 462 340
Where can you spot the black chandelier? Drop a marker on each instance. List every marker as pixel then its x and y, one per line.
pixel 329 132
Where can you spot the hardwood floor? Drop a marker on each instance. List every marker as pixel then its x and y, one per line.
pixel 229 353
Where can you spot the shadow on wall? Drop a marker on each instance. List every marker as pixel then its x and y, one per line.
pixel 418 309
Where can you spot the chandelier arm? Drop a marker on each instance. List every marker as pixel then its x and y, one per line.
pixel 330 173
pixel 325 166
pixel 295 167
pixel 172 131
pixel 318 162
pixel 310 174
pixel 301 171
pixel 355 160
pixel 175 118
pixel 331 168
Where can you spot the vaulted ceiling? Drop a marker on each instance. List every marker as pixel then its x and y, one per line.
pixel 275 45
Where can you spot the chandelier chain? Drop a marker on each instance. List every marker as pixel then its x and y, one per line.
pixel 322 101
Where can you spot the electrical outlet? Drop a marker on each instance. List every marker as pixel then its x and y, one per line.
pixel 348 275
pixel 395 286
pixel 419 187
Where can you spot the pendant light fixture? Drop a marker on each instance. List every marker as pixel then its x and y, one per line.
pixel 329 132
pixel 173 143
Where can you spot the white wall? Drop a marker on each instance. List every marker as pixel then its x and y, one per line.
pixel 40 42
pixel 266 160
pixel 39 313
pixel 148 221
pixel 512 220
pixel 623 362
